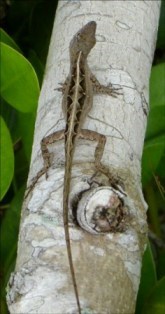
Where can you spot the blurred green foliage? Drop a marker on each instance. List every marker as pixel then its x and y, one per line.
pixel 25 36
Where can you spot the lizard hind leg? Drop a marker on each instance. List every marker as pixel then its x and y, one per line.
pixel 101 140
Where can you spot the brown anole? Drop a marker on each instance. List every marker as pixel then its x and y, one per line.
pixel 78 91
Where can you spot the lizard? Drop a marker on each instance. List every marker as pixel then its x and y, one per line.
pixel 78 90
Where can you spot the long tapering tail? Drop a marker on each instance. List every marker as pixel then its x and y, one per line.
pixel 67 178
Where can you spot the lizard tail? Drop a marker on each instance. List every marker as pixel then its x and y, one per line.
pixel 66 191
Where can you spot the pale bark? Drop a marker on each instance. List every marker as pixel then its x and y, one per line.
pixel 108 265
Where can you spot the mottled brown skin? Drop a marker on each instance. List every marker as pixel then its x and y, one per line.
pixel 78 91
pixel 77 101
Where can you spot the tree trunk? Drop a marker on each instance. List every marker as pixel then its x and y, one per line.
pixel 107 260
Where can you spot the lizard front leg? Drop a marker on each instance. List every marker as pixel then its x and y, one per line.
pixel 48 140
pixel 102 89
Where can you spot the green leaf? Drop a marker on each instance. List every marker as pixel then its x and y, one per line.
pixel 9 236
pixel 7 159
pixel 10 115
pixel 150 197
pixel 160 170
pixel 3 306
pixel 36 63
pixel 157 83
pixel 19 83
pixel 152 154
pixel 156 121
pixel 155 303
pixel 6 39
pixel 21 169
pixel 10 228
pixel 26 124
pixel 161 33
pixel 161 263
pixel 148 278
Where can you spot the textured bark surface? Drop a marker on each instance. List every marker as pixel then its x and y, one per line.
pixel 107 265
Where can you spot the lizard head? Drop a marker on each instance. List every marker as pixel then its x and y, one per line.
pixel 83 40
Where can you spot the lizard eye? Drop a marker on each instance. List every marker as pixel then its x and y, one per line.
pixel 80 36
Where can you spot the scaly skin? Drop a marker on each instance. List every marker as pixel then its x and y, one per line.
pixel 77 101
